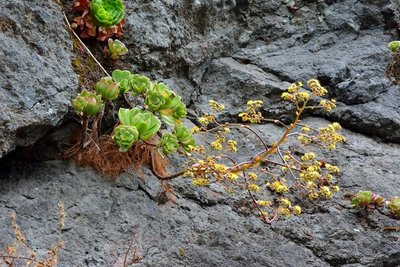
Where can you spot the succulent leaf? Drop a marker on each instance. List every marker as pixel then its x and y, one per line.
pixel 394 207
pixel 87 103
pixel 107 88
pixel 122 77
pixel 116 49
pixel 139 83
pixel 145 122
pixel 125 115
pixel 362 198
pixel 394 46
pixel 125 136
pixel 107 12
pixel 169 143
pixel 184 137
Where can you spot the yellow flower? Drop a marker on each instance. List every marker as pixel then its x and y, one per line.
pixel 326 192
pixel 278 187
pixel 201 182
pixel 216 106
pixel 253 187
pixel 232 145
pixel 308 156
pixel 285 202
pixel 232 176
pixel 252 176
pixel 216 145
pixel 195 129
pixel 296 210
pixel 263 203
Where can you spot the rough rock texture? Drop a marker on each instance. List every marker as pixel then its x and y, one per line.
pixel 36 77
pixel 231 51
pixel 210 226
pixel 255 46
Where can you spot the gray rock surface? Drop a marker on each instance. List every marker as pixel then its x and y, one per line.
pixel 210 226
pixel 36 77
pixel 231 51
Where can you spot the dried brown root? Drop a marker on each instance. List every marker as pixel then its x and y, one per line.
pixel 392 71
pixel 103 156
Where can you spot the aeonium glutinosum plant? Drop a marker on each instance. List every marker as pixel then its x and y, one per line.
pixel 137 124
pixel 368 200
pixel 101 19
pixel 116 49
pixel 275 170
pixel 274 177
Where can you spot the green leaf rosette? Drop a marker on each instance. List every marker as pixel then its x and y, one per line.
pixel 87 103
pixel 394 46
pixel 107 88
pixel 139 83
pixel 122 77
pixel 116 48
pixel 124 136
pixel 107 13
pixel 394 207
pixel 184 137
pixel 169 143
pixel 166 102
pixel 145 122
pixel 362 198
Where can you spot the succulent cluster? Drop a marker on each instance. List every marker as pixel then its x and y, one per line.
pixel 369 200
pixel 135 123
pixel 100 19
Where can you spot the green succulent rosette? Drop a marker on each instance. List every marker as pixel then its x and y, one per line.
pixel 116 48
pixel 169 143
pixel 125 136
pixel 140 84
pixel 87 103
pixel 394 207
pixel 362 197
pixel 184 136
pixel 166 102
pixel 145 122
pixel 122 77
pixel 107 88
pixel 394 46
pixel 107 13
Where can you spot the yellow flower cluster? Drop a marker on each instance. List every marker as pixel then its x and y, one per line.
pixel 253 187
pixel 329 136
pixel 311 174
pixel 332 168
pixel 201 182
pixel 308 156
pixel 252 115
pixel 206 119
pixel 252 176
pixel 286 209
pixel 326 192
pixel 217 107
pixel 232 146
pixel 294 95
pixel 328 105
pixel 278 186
pixel 264 203
pixel 316 87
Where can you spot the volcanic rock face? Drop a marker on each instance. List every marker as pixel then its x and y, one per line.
pixel 37 80
pixel 230 51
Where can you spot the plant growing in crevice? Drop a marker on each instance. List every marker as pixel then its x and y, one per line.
pixel 368 200
pixel 115 49
pixel 100 19
pixel 275 172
